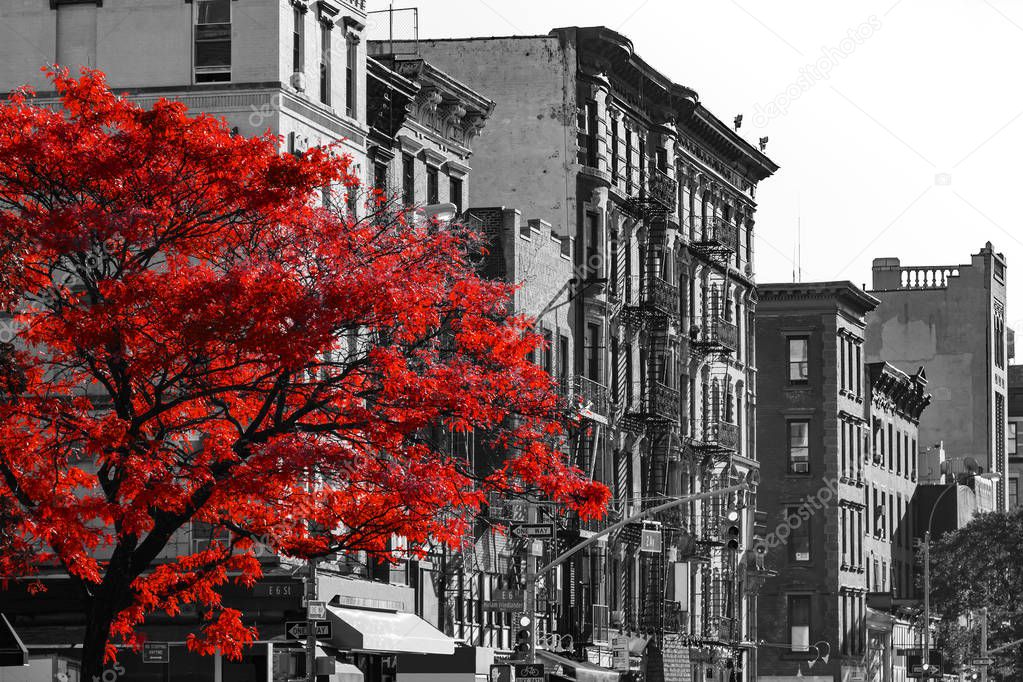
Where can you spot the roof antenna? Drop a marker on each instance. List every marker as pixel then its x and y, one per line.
pixel 799 238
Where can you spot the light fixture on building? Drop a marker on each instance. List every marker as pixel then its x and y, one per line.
pixel 763 143
pixel 738 121
pixel 442 213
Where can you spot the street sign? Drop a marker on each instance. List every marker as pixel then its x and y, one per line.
pixel 529 672
pixel 156 652
pixel 505 601
pixel 296 629
pixel 983 660
pixel 538 531
pixel 500 673
pixel 316 610
pixel 915 668
pixel 650 541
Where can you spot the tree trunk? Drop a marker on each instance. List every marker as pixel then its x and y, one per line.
pixel 98 617
pixel 102 604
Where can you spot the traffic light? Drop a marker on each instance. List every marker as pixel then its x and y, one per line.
pixel 731 529
pixel 524 644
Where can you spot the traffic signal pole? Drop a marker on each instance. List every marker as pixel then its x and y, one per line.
pixel 533 576
pixel 983 643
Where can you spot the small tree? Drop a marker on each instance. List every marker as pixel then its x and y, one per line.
pixel 200 342
pixel 979 566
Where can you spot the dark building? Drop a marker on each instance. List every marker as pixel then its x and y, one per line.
pixel 838 463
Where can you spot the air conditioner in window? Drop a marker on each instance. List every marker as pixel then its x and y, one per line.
pixel 297 144
pixel 298 81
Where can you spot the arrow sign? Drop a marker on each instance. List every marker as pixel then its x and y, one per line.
pixel 156 652
pixel 537 531
pixel 296 629
pixel 986 660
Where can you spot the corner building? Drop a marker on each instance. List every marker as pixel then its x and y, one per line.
pixel 658 196
pixel 839 466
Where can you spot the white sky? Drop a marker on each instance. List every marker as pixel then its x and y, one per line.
pixel 908 148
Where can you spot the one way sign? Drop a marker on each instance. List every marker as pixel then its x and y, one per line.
pixel 537 531
pixel 296 629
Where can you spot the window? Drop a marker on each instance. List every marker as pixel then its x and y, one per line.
pixel 592 239
pixel 628 161
pixel 592 352
pixel 842 346
pixel 380 176
pixel 799 447
pixel 298 41
pixel 662 159
pixel 351 60
pixel 548 351
pixel 408 179
pixel 799 622
pixel 798 362
pixel 455 192
pixel 563 364
pixel 325 51
pixel 1012 438
pixel 589 130
pixel 212 41
pixel 799 538
pixel 432 185
pixel 614 151
pixel 1013 492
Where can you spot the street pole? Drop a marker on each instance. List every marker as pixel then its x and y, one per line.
pixel 927 599
pixel 531 576
pixel 983 643
pixel 310 640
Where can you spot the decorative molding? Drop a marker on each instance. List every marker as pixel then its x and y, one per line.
pixel 409 144
pixel 432 157
pixel 455 168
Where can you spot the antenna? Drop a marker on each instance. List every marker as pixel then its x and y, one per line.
pixel 799 238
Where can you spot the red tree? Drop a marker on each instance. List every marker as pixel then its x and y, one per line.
pixel 200 341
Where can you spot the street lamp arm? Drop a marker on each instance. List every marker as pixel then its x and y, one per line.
pixel 638 517
pixel 937 502
pixel 1005 646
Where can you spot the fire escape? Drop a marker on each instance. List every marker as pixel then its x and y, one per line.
pixel 714 434
pixel 653 404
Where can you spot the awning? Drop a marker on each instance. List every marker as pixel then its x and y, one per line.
pixel 386 631
pixel 346 672
pixel 13 652
pixel 579 671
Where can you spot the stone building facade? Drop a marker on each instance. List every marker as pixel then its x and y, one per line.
pixel 659 197
pixel 951 319
pixel 297 69
pixel 837 480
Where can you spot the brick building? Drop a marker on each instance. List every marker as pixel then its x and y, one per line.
pixel 659 197
pixel 838 462
pixel 1015 435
